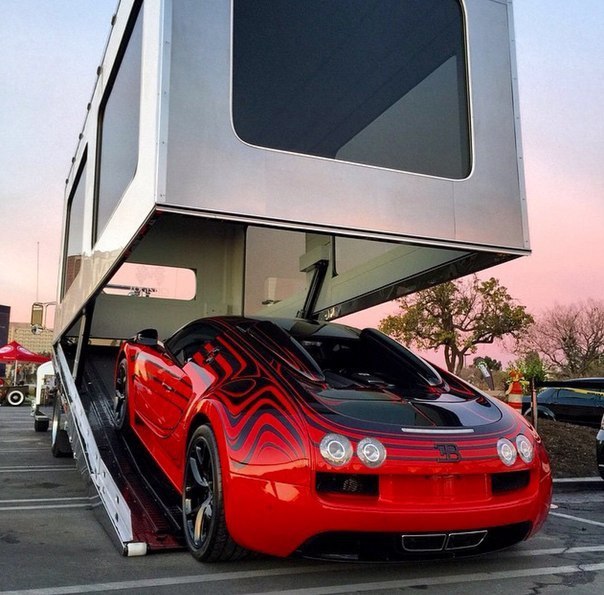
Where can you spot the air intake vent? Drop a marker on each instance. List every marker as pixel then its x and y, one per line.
pixel 508 482
pixel 344 483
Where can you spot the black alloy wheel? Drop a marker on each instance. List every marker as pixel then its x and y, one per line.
pixel 204 523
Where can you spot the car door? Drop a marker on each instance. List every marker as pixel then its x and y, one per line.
pixel 600 411
pixel 547 402
pixel 573 406
pixel 163 391
pixel 594 404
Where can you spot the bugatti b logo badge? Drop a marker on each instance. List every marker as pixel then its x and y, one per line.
pixel 449 453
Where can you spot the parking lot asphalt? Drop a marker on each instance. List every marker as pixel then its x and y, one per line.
pixel 51 544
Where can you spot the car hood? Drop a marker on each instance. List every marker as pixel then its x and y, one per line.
pixel 373 408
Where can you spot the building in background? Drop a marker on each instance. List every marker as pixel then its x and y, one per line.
pixel 4 324
pixel 38 343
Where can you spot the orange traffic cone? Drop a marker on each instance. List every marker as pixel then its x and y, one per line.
pixel 514 391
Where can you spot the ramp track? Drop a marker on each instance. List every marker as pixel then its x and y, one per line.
pixel 154 504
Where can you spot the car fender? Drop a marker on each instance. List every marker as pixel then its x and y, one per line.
pixel 542 411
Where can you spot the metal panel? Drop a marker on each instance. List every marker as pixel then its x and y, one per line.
pixel 192 162
pixel 210 169
pixel 138 201
pixel 214 251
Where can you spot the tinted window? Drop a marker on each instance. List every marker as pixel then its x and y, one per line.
pixel 285 348
pixel 191 339
pixel 75 229
pixel 119 125
pixel 154 281
pixel 375 82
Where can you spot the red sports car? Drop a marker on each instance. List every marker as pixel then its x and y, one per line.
pixel 298 436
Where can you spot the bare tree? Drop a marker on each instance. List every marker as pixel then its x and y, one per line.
pixel 569 338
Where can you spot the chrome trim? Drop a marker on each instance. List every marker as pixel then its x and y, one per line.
pixel 482 534
pixel 437 431
pixel 442 536
pixel 446 540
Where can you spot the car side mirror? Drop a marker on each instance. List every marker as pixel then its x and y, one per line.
pixel 148 337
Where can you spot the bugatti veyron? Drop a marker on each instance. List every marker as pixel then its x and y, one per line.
pixel 295 436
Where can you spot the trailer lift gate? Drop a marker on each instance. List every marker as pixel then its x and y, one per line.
pixel 272 159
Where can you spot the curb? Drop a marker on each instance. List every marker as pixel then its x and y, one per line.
pixel 578 483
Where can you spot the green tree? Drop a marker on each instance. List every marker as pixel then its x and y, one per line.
pixel 457 316
pixel 532 368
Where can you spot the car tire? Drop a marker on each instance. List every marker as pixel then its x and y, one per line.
pixel 120 403
pixel 204 523
pixel 15 398
pixel 59 439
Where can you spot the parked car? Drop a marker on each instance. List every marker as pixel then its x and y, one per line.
pixel 300 436
pixel 582 406
pixel 600 448
pixel 13 395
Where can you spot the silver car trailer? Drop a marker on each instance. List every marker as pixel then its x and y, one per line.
pixel 278 158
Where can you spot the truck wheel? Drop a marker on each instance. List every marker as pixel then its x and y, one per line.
pixel 59 439
pixel 120 402
pixel 15 398
pixel 205 529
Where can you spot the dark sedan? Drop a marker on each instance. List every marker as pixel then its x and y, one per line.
pixel 579 401
pixel 600 449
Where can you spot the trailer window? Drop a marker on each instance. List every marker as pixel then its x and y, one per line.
pixel 147 280
pixel 379 83
pixel 119 127
pixel 74 235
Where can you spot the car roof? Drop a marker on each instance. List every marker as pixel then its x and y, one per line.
pixel 584 383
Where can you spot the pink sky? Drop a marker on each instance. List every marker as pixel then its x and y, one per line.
pixel 50 52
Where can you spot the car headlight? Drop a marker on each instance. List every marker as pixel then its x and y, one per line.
pixel 371 452
pixel 525 448
pixel 506 451
pixel 336 449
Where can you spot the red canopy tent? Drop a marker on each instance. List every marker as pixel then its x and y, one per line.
pixel 15 352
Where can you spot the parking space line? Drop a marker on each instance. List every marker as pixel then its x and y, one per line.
pixel 576 518
pixel 442 580
pixel 31 500
pixel 554 551
pixel 45 507
pixel 418 582
pixel 36 469
pixel 179 580
pixel 22 450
